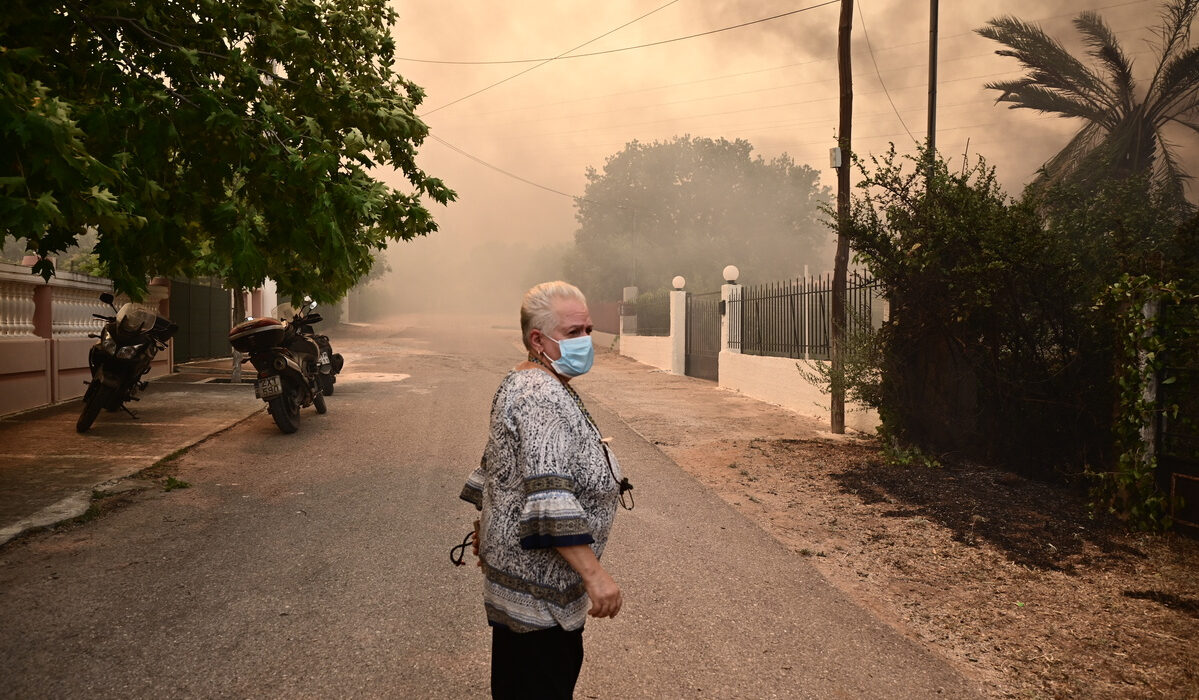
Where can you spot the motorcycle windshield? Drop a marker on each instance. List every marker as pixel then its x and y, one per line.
pixel 133 319
pixel 283 312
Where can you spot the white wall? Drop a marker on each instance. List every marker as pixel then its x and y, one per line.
pixel 649 350
pixel 777 380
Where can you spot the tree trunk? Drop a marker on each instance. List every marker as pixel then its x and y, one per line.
pixel 841 262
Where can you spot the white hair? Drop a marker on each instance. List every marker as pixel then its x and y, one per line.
pixel 538 310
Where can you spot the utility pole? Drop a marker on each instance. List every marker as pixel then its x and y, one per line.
pixel 932 85
pixel 841 262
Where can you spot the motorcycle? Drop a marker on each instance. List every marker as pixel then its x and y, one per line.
pixel 122 354
pixel 328 363
pixel 287 360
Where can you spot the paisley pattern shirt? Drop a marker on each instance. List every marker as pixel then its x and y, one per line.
pixel 544 482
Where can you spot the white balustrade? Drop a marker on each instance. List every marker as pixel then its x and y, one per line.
pixel 71 312
pixel 16 310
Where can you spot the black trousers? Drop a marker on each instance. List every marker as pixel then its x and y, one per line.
pixel 541 665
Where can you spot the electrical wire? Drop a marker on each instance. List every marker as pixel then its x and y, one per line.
pixel 498 169
pixel 878 72
pixel 580 198
pixel 623 48
pixel 531 68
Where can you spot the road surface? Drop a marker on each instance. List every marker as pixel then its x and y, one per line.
pixel 316 565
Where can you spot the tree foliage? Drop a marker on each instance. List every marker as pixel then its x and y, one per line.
pixel 691 206
pixel 235 138
pixel 997 348
pixel 1123 132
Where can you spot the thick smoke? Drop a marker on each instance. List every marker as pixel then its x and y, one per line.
pixel 773 84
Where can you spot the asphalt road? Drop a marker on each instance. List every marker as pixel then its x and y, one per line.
pixel 316 565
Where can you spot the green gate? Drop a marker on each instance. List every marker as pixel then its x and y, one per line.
pixel 203 311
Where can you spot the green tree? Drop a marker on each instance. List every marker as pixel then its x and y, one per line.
pixel 690 206
pixel 1123 132
pixel 236 138
pixel 991 351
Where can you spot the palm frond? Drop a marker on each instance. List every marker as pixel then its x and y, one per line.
pixel 1175 31
pixel 1168 172
pixel 1051 64
pixel 1068 160
pixel 1106 48
pixel 1178 86
pixel 1026 94
pixel 1193 126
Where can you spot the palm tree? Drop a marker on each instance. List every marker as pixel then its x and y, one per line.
pixel 1123 132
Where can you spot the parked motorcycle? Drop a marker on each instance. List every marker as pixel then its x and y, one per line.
pixel 127 345
pixel 328 363
pixel 287 359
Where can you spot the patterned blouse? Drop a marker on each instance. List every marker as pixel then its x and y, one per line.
pixel 543 482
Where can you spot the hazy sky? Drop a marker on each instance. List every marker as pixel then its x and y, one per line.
pixel 773 83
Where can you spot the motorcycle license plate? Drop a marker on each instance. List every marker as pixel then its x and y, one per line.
pixel 268 388
pixel 323 359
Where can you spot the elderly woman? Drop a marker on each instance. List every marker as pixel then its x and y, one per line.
pixel 547 488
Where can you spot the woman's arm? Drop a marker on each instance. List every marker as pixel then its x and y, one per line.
pixel 601 588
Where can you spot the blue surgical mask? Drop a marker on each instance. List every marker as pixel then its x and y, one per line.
pixel 577 356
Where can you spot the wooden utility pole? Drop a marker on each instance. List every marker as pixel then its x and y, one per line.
pixel 841 262
pixel 932 85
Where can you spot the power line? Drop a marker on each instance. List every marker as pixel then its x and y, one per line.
pixel 878 72
pixel 623 48
pixel 623 109
pixel 498 169
pixel 736 26
pixel 530 68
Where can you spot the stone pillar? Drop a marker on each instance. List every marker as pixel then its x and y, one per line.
pixel 43 311
pixel 678 332
pixel 628 323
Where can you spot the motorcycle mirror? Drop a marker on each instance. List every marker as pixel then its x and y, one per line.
pixel 107 298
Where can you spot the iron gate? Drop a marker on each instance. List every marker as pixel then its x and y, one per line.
pixel 1178 425
pixel 703 336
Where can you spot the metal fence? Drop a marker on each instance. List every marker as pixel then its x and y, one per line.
pixel 793 318
pixel 1178 424
pixel 652 311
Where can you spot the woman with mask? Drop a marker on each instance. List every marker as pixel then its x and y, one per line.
pixel 547 489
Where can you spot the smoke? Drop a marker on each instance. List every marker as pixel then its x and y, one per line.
pixel 773 84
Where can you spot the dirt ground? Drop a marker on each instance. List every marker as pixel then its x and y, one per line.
pixel 1011 580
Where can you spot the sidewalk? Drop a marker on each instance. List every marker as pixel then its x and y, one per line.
pixel 48 471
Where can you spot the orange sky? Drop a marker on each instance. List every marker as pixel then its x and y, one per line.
pixel 773 84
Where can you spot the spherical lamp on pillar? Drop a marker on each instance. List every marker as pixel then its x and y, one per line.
pixel 731 273
pixel 679 282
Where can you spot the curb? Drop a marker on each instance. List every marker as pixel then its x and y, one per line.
pixel 78 502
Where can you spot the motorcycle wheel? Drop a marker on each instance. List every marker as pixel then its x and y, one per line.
pixel 93 401
pixel 319 402
pixel 327 385
pixel 286 411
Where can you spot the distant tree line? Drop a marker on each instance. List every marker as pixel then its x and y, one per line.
pixel 690 206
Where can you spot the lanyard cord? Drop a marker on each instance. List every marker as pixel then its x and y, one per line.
pixel 458 552
pixel 625 486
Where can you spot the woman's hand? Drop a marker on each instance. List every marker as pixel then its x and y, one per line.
pixel 604 594
pixel 606 599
